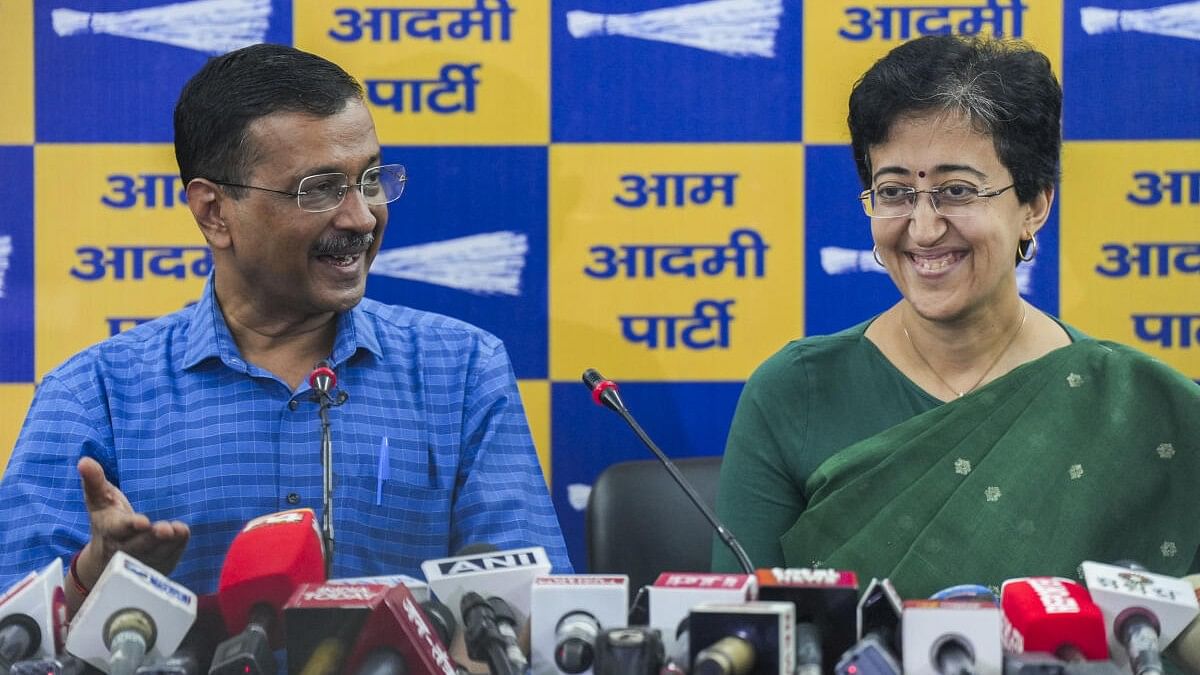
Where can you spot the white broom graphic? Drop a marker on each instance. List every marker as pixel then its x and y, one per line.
pixel 729 27
pixel 1181 20
pixel 5 252
pixel 836 260
pixel 484 264
pixel 210 26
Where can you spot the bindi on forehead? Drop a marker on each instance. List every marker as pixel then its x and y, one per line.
pixel 920 174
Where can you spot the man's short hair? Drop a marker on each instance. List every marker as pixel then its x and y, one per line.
pixel 217 106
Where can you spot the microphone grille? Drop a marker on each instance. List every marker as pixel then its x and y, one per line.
pixel 592 378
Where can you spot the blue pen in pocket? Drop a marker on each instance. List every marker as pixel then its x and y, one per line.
pixel 382 473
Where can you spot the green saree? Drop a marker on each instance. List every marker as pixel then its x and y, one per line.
pixel 1091 452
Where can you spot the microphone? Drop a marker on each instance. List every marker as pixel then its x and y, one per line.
pixel 878 613
pixel 267 561
pixel 941 637
pixel 133 613
pixel 322 380
pixel 33 617
pixel 63 664
pixel 490 627
pixel 380 629
pixel 674 594
pixel 1185 649
pixel 506 574
pixel 1052 615
pixel 753 637
pixel 604 393
pixel 635 650
pixel 567 614
pixel 826 603
pixel 1143 612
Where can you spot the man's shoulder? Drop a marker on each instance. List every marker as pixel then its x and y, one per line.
pixel 393 322
pixel 152 343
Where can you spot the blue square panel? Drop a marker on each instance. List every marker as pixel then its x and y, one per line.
pixel 468 239
pixel 1130 69
pixel 673 70
pixel 16 264
pixel 111 70
pixel 843 284
pixel 684 420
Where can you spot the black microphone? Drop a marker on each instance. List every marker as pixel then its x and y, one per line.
pixel 491 634
pixel 604 392
pixel 323 380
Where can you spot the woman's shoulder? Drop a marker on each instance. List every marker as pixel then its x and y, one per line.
pixel 800 358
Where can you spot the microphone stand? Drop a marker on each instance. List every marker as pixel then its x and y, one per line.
pixel 604 392
pixel 322 381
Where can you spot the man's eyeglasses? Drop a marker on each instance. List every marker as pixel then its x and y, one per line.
pixel 326 191
pixel 953 200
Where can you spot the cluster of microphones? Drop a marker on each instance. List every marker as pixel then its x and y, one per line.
pixel 503 613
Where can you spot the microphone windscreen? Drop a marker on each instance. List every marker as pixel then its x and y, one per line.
pixel 267 561
pixel 1052 615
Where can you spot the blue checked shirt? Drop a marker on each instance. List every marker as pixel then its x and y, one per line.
pixel 190 431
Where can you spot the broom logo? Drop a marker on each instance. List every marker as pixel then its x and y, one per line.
pixel 483 264
pixel 836 260
pixel 5 252
pixel 1181 20
pixel 209 26
pixel 734 28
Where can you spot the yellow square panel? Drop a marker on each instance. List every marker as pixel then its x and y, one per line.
pixel 674 262
pixel 446 72
pixel 14 404
pixel 120 249
pixel 535 394
pixel 842 39
pixel 1130 246
pixel 16 84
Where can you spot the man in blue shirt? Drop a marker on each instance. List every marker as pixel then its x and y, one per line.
pixel 206 415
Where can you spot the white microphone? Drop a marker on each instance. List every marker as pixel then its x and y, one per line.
pixel 943 636
pixel 132 613
pixel 33 617
pixel 568 613
pixel 504 574
pixel 674 594
pixel 1143 612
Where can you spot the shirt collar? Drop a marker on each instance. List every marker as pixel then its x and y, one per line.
pixel 208 335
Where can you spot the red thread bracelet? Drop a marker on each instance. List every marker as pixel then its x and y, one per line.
pixel 74 576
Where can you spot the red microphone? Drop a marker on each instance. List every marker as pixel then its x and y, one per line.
pixel 267 561
pixel 1052 615
pixel 380 629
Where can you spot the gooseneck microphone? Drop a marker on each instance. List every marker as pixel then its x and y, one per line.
pixel 604 393
pixel 323 381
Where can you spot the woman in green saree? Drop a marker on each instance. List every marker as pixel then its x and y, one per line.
pixel 961 436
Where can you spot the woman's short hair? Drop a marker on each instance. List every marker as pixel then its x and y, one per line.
pixel 1005 88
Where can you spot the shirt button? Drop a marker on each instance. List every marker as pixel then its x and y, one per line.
pixel 293 404
pixel 293 498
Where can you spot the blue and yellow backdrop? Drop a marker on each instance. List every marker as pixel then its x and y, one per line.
pixel 660 189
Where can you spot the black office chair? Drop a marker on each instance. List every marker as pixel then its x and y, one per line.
pixel 640 522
